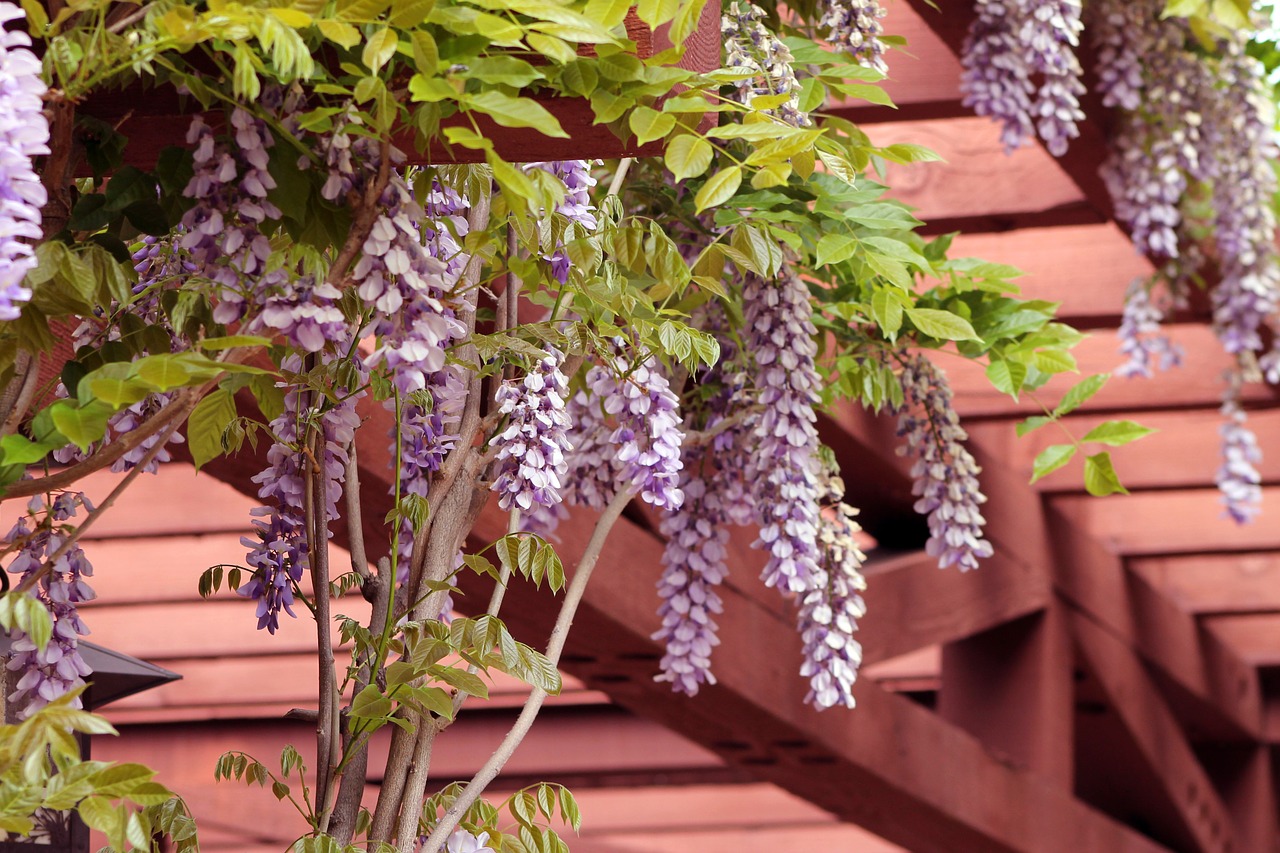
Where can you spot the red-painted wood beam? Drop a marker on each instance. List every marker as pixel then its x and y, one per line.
pixel 1158 734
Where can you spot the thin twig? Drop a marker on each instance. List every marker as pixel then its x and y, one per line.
pixel 555 646
pixel 624 165
pixel 74 536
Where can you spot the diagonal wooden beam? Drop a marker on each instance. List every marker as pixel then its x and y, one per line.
pixel 1158 735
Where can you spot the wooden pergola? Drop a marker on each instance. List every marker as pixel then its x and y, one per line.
pixel 1108 681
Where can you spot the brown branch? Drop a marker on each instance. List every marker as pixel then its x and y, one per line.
pixel 47 568
pixel 555 646
pixel 317 526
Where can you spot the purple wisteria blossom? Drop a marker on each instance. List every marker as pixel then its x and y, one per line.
pixel 779 334
pixel 829 612
pixel 279 554
pixel 1145 68
pixel 1239 131
pixel 531 463
pixel 1020 68
pixel 24 133
pixel 946 475
pixel 1143 345
pixel 697 531
pixel 694 565
pixel 400 278
pixel 52 671
pixel 576 207
pixel 222 232
pixel 751 48
pixel 1238 478
pixel 648 436
pixel 855 28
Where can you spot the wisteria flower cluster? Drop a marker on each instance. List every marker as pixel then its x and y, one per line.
pixel 946 475
pixel 754 50
pixel 531 463
pixel 1142 343
pixel 52 671
pixel 855 27
pixel 693 566
pixel 648 436
pixel 280 554
pixel 1238 478
pixel 24 134
pixel 779 334
pixel 1020 68
pixel 829 612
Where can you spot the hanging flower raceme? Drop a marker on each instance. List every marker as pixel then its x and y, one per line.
pixel 52 671
pixel 576 207
pixel 779 334
pixel 24 134
pixel 1238 478
pixel 222 231
pixel 855 28
pixel 946 475
pixel 531 463
pixel 648 436
pixel 716 496
pixel 1012 44
pixel 756 51
pixel 1142 343
pixel 829 612
pixel 1239 131
pixel 280 553
pixel 694 565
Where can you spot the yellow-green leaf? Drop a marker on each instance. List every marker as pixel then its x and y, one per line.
pixel 719 188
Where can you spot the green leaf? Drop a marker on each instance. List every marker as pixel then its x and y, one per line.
pixel 906 152
pixel 233 341
pixel 1051 459
pixel 835 247
pixel 82 425
pixel 510 111
pixel 370 704
pixel 1007 376
pixel 648 124
pixel 1100 477
pixel 28 615
pixel 119 780
pixel 719 188
pixel 1032 424
pixel 1080 393
pixel 160 372
pixel 1117 433
pixel 462 680
pixel 942 325
pixel 341 32
pixel 688 156
pixel 207 424
pixel 1054 361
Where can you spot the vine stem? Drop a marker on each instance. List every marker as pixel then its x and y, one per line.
pixel 555 646
pixel 179 407
pixel 317 527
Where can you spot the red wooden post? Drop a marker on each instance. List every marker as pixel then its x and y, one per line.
pixel 1011 687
